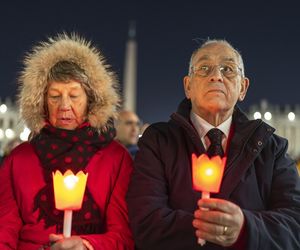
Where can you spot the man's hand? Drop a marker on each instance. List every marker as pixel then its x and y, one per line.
pixel 71 243
pixel 221 224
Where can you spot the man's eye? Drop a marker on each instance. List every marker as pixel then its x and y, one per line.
pixel 204 68
pixel 227 68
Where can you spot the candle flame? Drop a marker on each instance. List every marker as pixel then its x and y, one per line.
pixel 69 189
pixel 207 173
pixel 70 181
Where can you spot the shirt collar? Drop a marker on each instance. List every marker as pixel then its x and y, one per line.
pixel 202 126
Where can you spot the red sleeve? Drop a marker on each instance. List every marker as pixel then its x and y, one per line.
pixel 118 235
pixel 10 221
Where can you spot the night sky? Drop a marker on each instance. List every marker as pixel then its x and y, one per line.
pixel 266 34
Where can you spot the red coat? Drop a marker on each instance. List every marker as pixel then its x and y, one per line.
pixel 21 178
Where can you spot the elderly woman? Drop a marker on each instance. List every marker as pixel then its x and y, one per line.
pixel 68 98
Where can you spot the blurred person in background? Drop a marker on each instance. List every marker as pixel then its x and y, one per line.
pixel 128 130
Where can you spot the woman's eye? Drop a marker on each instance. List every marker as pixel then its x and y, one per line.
pixel 54 96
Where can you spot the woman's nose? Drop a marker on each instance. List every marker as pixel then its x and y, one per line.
pixel 65 104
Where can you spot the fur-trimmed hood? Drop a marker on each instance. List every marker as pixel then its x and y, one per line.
pixel 37 64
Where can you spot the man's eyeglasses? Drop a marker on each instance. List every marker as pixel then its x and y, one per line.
pixel 229 70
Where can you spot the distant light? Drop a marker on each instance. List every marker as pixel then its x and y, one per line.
pixel 3 108
pixel 25 134
pixel 1 134
pixel 257 115
pixel 9 133
pixel 268 116
pixel 291 116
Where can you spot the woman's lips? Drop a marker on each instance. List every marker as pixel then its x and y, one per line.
pixel 66 120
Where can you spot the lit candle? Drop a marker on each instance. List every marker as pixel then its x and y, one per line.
pixel 68 193
pixel 207 176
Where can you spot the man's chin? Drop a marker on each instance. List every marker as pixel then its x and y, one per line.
pixel 215 106
pixel 133 142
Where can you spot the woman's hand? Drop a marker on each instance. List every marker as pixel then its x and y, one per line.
pixel 71 243
pixel 220 224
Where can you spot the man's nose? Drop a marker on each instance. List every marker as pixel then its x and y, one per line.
pixel 135 126
pixel 216 75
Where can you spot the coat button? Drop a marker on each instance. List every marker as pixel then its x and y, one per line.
pixel 259 143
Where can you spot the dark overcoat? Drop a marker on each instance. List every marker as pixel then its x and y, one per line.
pixel 259 177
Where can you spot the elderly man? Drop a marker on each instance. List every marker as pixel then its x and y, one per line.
pixel 128 129
pixel 258 206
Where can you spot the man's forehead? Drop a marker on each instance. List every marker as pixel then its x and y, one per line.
pixel 217 51
pixel 128 116
pixel 210 57
pixel 131 119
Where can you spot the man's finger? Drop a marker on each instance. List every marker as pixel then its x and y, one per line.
pixel 218 204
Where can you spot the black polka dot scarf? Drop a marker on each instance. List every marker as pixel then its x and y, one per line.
pixel 60 149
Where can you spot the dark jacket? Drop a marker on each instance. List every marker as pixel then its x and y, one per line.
pixel 259 177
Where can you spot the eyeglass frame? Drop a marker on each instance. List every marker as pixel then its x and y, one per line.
pixel 212 68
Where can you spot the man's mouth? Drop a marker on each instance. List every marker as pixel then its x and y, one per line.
pixel 216 90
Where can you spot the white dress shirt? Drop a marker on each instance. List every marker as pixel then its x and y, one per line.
pixel 202 127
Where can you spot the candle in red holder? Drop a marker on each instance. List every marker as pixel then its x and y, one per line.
pixel 68 193
pixel 207 172
pixel 207 176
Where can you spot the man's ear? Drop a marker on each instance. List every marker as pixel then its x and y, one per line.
pixel 187 86
pixel 244 87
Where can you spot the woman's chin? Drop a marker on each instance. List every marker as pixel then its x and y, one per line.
pixel 69 126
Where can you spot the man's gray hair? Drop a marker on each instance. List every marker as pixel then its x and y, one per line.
pixel 217 41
